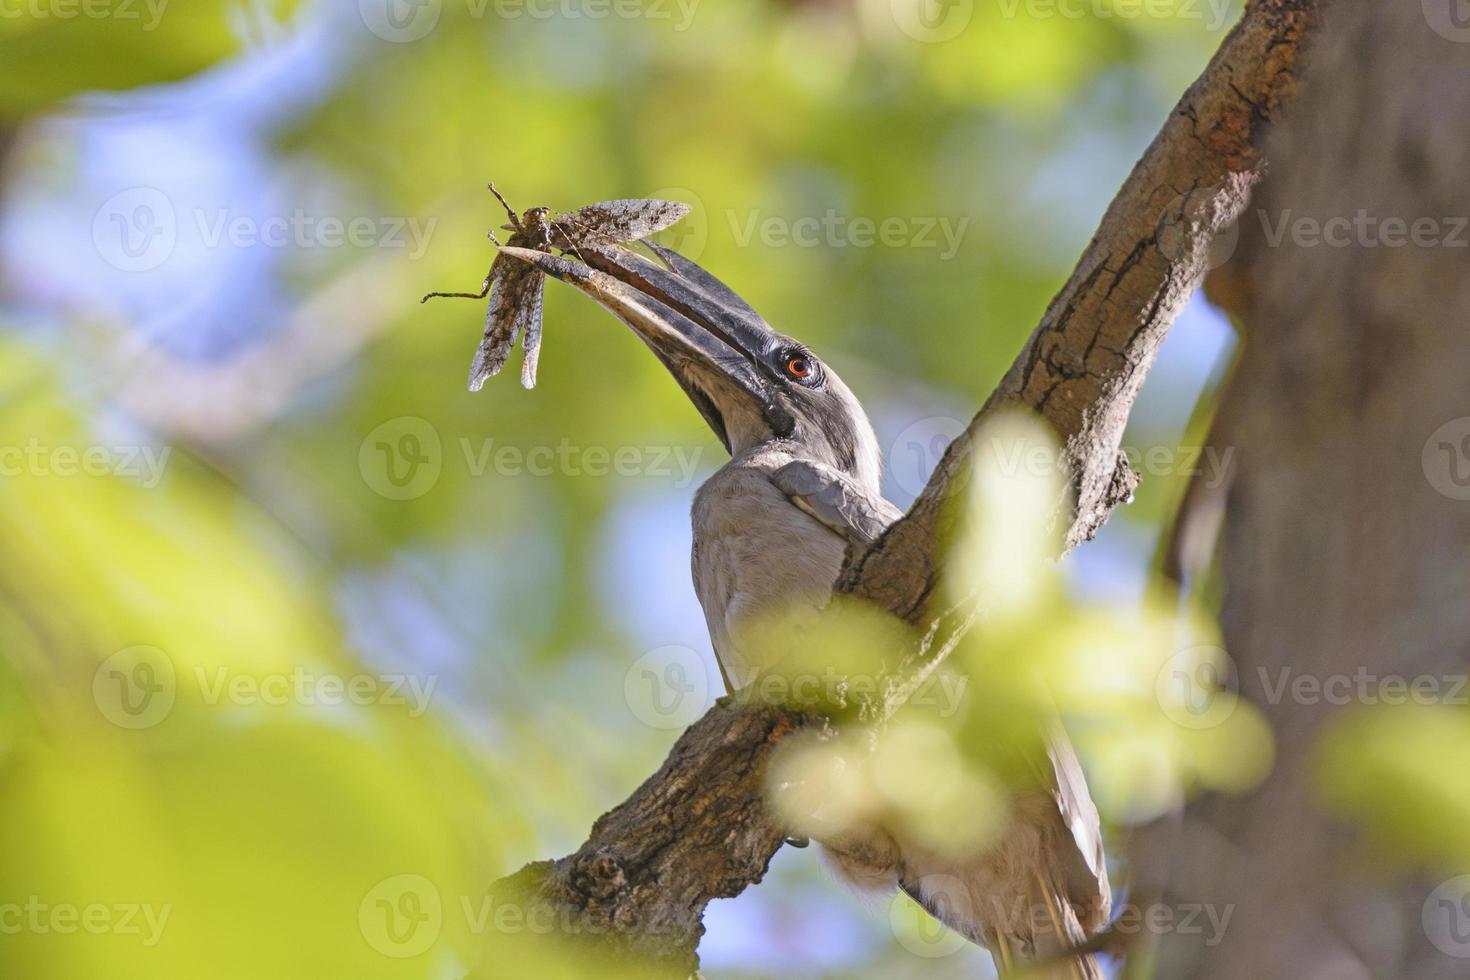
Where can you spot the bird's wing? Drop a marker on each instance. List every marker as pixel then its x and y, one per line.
pixel 1087 873
pixel 836 500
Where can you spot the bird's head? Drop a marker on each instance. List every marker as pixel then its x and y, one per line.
pixel 753 386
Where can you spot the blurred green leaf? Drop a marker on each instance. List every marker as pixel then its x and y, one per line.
pixel 64 48
pixel 1403 773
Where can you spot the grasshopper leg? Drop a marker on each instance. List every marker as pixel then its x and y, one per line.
pixel 484 286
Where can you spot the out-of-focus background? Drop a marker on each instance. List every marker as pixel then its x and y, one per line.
pixel 301 643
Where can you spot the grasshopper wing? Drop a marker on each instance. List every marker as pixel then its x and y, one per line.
pixel 614 222
pixel 515 308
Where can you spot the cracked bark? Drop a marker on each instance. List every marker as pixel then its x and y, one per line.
pixel 698 829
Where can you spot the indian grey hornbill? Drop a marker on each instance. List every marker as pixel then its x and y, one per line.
pixel 770 531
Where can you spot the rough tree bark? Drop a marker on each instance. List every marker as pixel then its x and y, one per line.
pixel 1084 363
pixel 1347 534
pixel 698 828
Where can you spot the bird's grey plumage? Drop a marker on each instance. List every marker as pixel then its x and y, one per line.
pixel 771 528
pixel 855 513
pixel 742 520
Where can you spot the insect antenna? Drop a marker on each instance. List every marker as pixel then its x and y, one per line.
pixel 515 219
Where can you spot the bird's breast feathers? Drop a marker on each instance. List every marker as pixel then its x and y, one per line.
pixel 757 554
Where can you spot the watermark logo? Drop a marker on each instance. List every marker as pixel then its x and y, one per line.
pixel 1213 14
pixel 400 21
pixel 302 229
pixel 832 229
pixel 135 688
pixel 668 688
pixel 690 234
pixel 566 458
pixel 1450 19
pixel 926 935
pixel 918 448
pixel 1198 686
pixel 1446 917
pixel 1184 227
pixel 680 13
pixel 1361 687
pixel 943 691
pixel 1446 459
pixel 401 916
pixel 932 21
pixel 301 686
pixel 402 458
pixel 136 230
pixel 1363 230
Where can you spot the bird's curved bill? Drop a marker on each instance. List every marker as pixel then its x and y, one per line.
pixel 713 343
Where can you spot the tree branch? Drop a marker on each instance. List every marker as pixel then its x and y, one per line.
pixel 699 829
pixel 1083 365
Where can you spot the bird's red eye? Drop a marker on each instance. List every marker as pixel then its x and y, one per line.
pixel 798 366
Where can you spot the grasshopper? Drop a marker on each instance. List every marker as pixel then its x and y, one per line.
pixel 515 288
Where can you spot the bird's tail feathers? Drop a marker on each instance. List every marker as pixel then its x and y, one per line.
pixel 1056 931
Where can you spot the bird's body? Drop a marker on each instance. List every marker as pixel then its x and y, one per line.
pixel 759 554
pixel 756 554
pixel 771 530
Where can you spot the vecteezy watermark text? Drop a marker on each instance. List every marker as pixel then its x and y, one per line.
pixel 1362 686
pixel 566 458
pixel 301 229
pixel 148 12
pixel 95 918
pixel 832 229
pixel 669 687
pixel 403 458
pixel 311 688
pixel 405 21
pixel 1214 14
pixel 951 898
pixel 914 452
pixel 138 230
pixel 1364 230
pixel 1212 464
pixel 36 458
pixel 137 688
pixel 403 916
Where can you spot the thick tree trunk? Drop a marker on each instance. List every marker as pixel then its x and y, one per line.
pixel 1347 534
